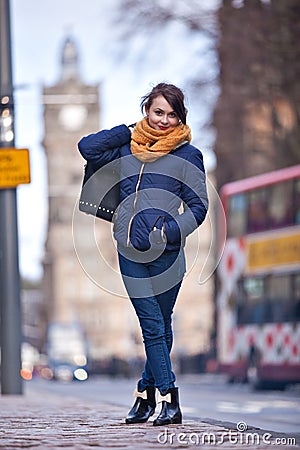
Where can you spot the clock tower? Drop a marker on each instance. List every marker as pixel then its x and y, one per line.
pixel 71 110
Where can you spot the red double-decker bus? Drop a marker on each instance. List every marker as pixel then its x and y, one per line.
pixel 258 301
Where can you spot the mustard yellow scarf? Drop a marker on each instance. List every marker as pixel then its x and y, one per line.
pixel 148 144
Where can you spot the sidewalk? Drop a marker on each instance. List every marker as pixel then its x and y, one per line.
pixel 40 420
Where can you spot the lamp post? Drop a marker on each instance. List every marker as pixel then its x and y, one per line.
pixel 10 304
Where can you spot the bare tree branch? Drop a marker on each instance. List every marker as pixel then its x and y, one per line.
pixel 139 14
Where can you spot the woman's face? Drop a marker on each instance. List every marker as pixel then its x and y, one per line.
pixel 161 115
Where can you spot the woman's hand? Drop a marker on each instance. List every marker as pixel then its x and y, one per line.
pixel 157 236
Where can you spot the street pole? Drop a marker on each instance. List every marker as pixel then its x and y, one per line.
pixel 10 303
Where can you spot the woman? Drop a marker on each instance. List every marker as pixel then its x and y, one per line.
pixel 160 171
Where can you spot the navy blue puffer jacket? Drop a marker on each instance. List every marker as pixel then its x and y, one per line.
pixel 169 193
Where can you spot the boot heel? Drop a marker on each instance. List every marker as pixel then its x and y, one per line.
pixel 177 418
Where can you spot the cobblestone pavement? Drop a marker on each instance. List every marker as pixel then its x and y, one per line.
pixel 45 421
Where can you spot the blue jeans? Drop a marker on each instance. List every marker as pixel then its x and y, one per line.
pixel 153 287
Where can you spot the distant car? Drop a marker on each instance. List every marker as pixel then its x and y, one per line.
pixel 68 372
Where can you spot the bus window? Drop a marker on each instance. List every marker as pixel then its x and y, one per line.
pixel 280 205
pixel 297 297
pixel 258 212
pixel 237 215
pixel 297 201
pixel 251 304
pixel 280 296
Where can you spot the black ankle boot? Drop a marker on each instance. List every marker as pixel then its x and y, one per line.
pixel 170 411
pixel 143 407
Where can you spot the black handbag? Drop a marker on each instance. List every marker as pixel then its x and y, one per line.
pixel 100 192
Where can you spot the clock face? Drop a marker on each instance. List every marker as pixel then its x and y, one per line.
pixel 72 117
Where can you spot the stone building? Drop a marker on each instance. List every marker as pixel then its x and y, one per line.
pixel 81 278
pixel 257 113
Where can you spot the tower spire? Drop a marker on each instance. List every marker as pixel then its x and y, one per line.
pixel 69 60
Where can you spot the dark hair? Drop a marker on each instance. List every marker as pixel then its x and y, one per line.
pixel 172 94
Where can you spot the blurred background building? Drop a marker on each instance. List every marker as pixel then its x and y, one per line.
pixel 257 113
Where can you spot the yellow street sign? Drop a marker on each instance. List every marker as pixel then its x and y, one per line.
pixel 14 167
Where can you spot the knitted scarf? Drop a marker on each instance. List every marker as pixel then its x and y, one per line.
pixel 148 144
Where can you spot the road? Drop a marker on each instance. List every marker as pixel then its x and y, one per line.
pixel 204 397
